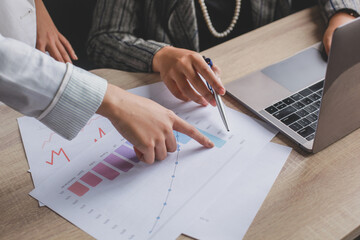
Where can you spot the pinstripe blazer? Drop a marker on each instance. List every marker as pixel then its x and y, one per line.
pixel 126 34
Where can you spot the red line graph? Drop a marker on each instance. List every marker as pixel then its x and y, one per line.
pixel 90 121
pixel 48 141
pixel 52 134
pixel 58 154
pixel 102 133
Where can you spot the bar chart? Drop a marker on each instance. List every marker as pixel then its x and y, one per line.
pixel 110 168
pixel 122 160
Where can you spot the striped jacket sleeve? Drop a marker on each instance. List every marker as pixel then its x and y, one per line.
pixel 116 39
pixel 330 7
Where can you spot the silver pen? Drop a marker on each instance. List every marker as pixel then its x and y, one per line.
pixel 218 100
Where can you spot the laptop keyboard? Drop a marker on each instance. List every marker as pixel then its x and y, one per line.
pixel 300 111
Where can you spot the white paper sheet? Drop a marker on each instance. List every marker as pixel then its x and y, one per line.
pixel 46 151
pixel 231 214
pixel 138 202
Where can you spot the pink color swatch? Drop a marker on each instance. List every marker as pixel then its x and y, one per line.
pixel 105 171
pixel 91 179
pixel 127 152
pixel 118 162
pixel 78 188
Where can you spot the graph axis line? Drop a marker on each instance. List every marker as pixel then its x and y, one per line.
pixel 169 188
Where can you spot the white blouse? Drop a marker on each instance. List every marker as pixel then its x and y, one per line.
pixel 18 20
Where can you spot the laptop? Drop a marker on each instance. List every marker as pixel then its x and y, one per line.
pixel 312 101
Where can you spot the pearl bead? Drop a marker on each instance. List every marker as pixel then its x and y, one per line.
pixel 210 25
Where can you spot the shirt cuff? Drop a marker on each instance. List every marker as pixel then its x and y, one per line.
pixel 78 98
pixel 154 47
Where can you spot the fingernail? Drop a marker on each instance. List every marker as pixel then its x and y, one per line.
pixel 213 102
pixel 204 102
pixel 222 91
pixel 76 58
pixel 209 144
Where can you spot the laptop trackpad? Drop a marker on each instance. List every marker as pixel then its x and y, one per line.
pixel 299 71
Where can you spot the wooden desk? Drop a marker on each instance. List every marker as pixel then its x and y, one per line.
pixel 314 197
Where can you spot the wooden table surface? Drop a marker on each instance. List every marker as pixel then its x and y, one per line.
pixel 314 197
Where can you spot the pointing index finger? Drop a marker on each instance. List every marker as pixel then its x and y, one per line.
pixel 182 126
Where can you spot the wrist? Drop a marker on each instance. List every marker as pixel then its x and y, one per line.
pixel 111 99
pixel 158 58
pixel 339 19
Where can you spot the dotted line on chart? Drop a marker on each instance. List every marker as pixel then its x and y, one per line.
pixel 170 187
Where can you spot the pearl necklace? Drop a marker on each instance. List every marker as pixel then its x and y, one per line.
pixel 209 23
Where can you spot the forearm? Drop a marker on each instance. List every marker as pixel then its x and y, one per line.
pixel 41 12
pixel 116 39
pixel 123 51
pixel 61 96
pixel 39 4
pixel 336 13
pixel 22 69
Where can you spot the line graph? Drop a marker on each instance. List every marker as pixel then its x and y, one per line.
pixel 101 133
pixel 90 122
pixel 58 154
pixel 170 186
pixel 48 141
pixel 183 139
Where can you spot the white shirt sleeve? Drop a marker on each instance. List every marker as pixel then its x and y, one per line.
pixel 60 95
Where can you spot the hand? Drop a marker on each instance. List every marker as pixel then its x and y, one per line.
pixel 49 38
pixel 180 67
pixel 146 124
pixel 338 19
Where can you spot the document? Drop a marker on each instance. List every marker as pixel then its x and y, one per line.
pixel 244 176
pixel 231 214
pixel 46 151
pixel 108 193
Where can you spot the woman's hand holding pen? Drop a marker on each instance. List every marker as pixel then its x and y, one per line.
pixel 146 124
pixel 179 70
